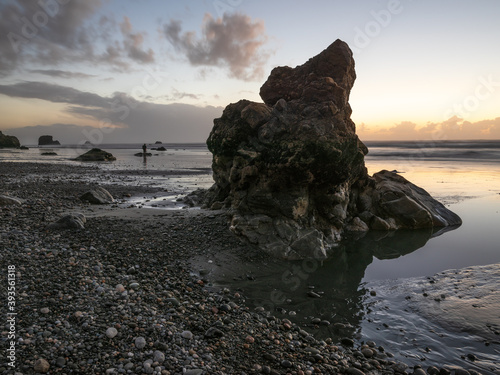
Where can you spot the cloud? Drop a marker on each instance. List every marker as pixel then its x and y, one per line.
pixel 53 32
pixel 176 123
pixel 54 93
pixel 45 32
pixel 61 73
pixel 118 118
pixel 454 128
pixel 233 41
pixel 179 95
pixel 133 44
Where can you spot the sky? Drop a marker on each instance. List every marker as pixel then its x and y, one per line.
pixel 115 71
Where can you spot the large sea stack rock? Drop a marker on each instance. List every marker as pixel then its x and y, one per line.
pixel 291 169
pixel 47 140
pixel 8 141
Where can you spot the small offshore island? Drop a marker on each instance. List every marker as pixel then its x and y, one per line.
pixel 107 289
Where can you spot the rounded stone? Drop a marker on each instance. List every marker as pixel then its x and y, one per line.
pixel 60 361
pixel 111 332
pixel 120 288
pixel 367 353
pixel 140 342
pixel 158 356
pixel 41 365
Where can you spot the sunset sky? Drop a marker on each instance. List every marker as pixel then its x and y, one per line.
pixel 139 71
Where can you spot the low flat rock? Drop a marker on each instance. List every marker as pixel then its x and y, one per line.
pixel 96 154
pixel 9 201
pixel 71 221
pixel 97 195
pixel 409 205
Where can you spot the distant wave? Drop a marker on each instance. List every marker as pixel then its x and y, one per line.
pixel 495 144
pixel 447 150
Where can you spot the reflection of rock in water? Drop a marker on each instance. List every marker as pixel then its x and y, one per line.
pixel 286 287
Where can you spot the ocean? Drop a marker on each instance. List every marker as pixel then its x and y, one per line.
pixel 428 297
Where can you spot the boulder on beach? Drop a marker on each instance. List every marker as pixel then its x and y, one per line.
pixel 71 221
pixel 8 141
pixel 47 140
pixel 143 154
pixel 291 170
pixel 96 154
pixel 98 195
pixel 5 200
pixel 161 149
pixel 41 365
pixel 49 153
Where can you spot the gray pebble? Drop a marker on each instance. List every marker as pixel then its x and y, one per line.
pixel 140 342
pixel 111 332
pixel 158 356
pixel 193 372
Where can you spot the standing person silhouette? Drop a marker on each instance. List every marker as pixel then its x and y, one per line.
pixel 144 149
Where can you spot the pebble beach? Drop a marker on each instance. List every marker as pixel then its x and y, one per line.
pixel 121 295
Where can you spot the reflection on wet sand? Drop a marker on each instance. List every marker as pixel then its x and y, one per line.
pixel 326 295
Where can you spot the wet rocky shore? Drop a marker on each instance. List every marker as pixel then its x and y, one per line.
pixel 121 296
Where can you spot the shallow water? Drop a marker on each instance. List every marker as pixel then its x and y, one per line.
pixel 372 288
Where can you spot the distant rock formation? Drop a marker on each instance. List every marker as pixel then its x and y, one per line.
pixel 96 154
pixel 158 142
pixel 291 170
pixel 8 141
pixel 46 140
